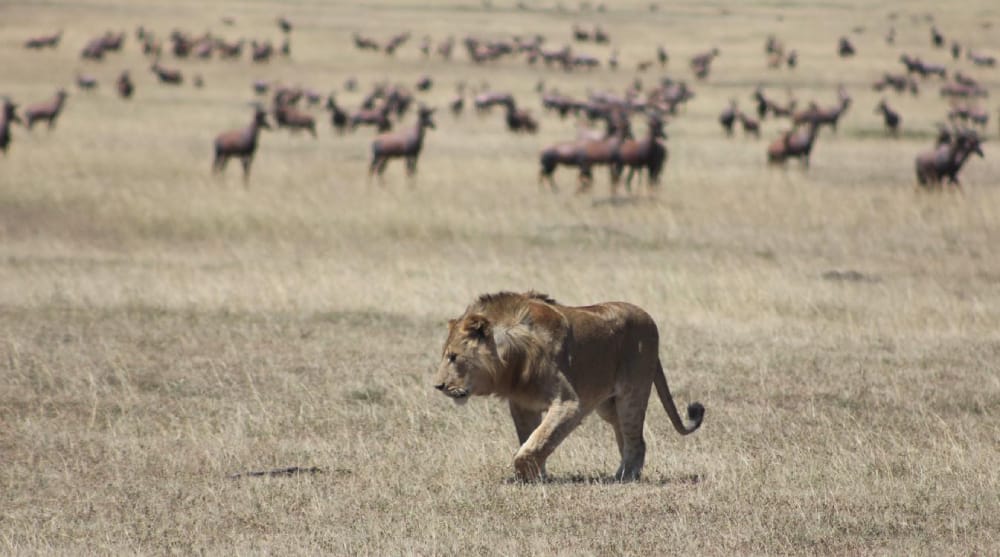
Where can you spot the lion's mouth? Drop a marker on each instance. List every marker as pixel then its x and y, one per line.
pixel 460 396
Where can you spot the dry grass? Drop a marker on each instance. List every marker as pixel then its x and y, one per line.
pixel 162 330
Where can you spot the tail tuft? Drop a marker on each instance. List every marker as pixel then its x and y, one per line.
pixel 696 412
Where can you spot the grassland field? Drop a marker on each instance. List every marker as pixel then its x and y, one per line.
pixel 164 331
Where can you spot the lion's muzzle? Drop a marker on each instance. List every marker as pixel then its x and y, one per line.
pixel 455 393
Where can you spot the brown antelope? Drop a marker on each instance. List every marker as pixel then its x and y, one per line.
pixel 86 82
pixel 338 118
pixel 979 59
pixel 519 120
pixel 7 117
pixel 168 76
pixel 765 105
pixel 845 48
pixel 890 116
pixel 47 111
pixel 795 143
pixel 571 153
pixel 751 126
pixel 288 116
pixel 924 69
pixel 822 116
pixel 728 117
pixel 647 153
pixel 947 159
pixel 401 144
pixel 378 117
pixel 239 143
pixel 702 63
pixel 124 85
pixel 43 41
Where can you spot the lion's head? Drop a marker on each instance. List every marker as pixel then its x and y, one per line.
pixel 469 360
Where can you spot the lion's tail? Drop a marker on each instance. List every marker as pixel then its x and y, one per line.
pixel 695 412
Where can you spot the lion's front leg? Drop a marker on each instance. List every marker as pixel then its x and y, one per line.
pixel 560 419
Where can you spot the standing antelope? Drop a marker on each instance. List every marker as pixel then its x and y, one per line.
pixel 47 111
pixel 794 144
pixel 727 117
pixel 240 143
pixel 338 118
pixel 124 85
pixel 519 120
pixel 647 153
pixel 890 116
pixel 406 144
pixel 947 159
pixel 8 116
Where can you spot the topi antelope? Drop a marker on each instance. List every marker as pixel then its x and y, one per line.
pixel 794 143
pixel 286 115
pixel 751 126
pixel 890 116
pixel 338 118
pixel 7 117
pixel 401 144
pixel 519 120
pixel 167 75
pixel 647 153
pixel 124 85
pixel 947 159
pixel 728 117
pixel 47 111
pixel 44 41
pixel 240 143
pixel 86 82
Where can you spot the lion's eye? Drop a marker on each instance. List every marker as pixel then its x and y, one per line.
pixel 452 356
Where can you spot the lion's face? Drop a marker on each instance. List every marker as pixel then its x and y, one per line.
pixel 469 359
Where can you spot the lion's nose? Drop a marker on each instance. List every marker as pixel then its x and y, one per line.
pixel 439 386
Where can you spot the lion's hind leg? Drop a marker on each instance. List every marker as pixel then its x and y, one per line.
pixel 630 408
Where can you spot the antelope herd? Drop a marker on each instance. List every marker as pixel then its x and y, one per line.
pixel 604 136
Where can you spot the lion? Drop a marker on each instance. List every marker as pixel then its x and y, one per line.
pixel 555 365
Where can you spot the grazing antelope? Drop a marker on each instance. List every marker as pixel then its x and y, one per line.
pixel 86 82
pixel 7 117
pixel 124 85
pixel 647 153
pixel 240 143
pixel 338 118
pixel 47 111
pixel 405 144
pixel 662 56
pixel 751 126
pixel 890 116
pixel 979 59
pixel 168 76
pixel 44 41
pixel 947 159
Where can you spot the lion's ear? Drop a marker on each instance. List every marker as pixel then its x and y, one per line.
pixel 452 323
pixel 476 326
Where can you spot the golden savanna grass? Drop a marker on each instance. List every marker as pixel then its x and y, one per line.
pixel 162 330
